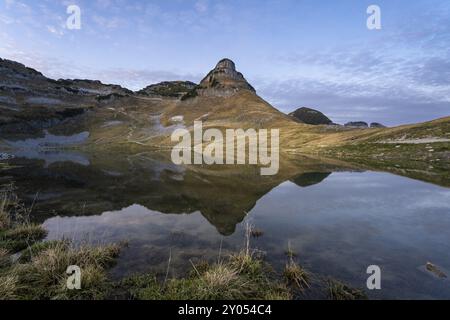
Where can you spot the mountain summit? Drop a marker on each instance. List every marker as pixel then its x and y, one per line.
pixel 223 81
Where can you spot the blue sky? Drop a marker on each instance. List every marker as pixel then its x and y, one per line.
pixel 295 53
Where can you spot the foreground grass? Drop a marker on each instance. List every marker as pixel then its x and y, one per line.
pixel 44 275
pixel 39 272
pixel 296 275
pixel 16 232
pixel 239 277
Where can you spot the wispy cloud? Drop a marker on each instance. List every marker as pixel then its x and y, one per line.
pixel 56 68
pixel 404 78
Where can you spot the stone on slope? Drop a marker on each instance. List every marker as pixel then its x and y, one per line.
pixel 377 125
pixel 357 124
pixel 310 116
pixel 175 89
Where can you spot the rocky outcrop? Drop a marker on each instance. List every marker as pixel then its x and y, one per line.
pixel 223 81
pixel 108 98
pixel 174 89
pixel 357 124
pixel 31 102
pixel 310 116
pixel 17 70
pixel 90 87
pixel 377 125
pixel 15 78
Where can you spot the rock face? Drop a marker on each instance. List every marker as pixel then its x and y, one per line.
pixel 175 89
pixel 310 116
pixel 223 81
pixel 18 70
pixel 377 125
pixel 31 102
pixel 357 124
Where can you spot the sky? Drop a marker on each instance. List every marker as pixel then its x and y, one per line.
pixel 313 53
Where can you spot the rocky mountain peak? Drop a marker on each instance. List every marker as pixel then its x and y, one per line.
pixel 226 64
pixel 224 80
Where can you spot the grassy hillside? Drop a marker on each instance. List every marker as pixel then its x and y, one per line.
pixel 118 119
pixel 420 151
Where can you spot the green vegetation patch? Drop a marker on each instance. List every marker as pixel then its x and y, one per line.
pixel 424 161
pixel 45 277
pixel 340 291
pixel 296 275
pixel 241 276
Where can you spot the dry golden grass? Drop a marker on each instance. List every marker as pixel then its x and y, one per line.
pixel 8 287
pixel 4 258
pixel 296 275
pixel 44 277
pixel 5 219
pixel 340 291
pixel 225 280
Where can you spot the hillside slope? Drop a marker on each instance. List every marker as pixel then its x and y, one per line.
pixel 420 151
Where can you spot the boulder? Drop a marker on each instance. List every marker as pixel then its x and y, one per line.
pixel 377 125
pixel 357 124
pixel 310 116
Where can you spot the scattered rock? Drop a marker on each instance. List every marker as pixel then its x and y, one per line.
pixel 110 97
pixel 177 119
pixel 6 156
pixel 435 270
pixel 357 124
pixel 377 125
pixel 175 89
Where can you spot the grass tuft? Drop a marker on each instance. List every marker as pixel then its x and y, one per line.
pixel 5 219
pixel 296 275
pixel 4 258
pixel 8 287
pixel 340 291
pixel 36 248
pixel 21 236
pixel 44 277
pixel 16 232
